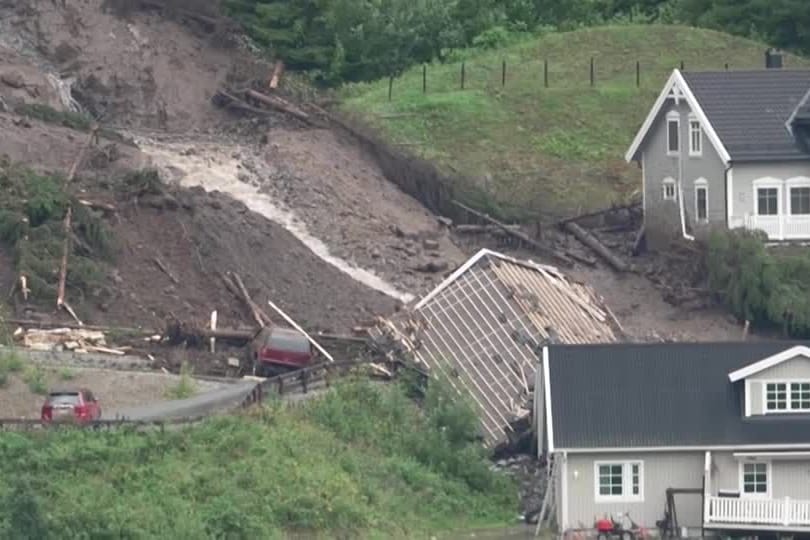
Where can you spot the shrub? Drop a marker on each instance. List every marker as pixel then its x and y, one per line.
pixel 35 378
pixel 185 387
pixel 758 284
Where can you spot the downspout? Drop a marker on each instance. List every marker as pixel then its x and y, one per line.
pixel 726 199
pixel 680 197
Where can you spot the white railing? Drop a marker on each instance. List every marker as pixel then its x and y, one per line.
pixel 779 227
pixel 784 512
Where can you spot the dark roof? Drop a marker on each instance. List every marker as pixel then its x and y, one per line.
pixel 662 394
pixel 749 110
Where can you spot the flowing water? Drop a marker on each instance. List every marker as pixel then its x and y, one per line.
pixel 212 168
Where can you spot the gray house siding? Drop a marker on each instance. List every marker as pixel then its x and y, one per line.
pixel 661 470
pixel 790 477
pixel 662 217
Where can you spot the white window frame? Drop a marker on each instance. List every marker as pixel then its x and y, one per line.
pixel 789 409
pixel 673 117
pixel 768 183
pixel 627 481
pixel 768 479
pixel 797 182
pixel 701 184
pixel 695 128
pixel 669 181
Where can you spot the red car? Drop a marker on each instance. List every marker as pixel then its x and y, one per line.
pixel 76 406
pixel 279 350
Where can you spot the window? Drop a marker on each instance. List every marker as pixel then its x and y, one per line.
pixel 787 397
pixel 701 200
pixel 669 189
pixel 755 479
pixel 800 200
pixel 695 138
pixel 619 481
pixel 767 201
pixel 673 133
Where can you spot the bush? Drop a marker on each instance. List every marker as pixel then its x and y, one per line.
pixel 760 285
pixel 35 378
pixel 185 387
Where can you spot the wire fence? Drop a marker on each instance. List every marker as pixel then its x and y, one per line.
pixel 544 74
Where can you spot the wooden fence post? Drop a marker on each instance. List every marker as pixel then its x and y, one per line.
pixel 592 73
pixel 390 86
pixel 681 65
pixel 638 74
pixel 424 78
pixel 462 75
pixel 545 72
pixel 503 73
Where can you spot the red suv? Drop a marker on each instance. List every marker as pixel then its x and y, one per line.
pixel 78 406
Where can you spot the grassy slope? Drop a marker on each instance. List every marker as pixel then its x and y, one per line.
pixel 555 149
pixel 363 461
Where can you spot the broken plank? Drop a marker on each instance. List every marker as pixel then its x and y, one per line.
pixel 295 325
pixel 251 305
pixel 592 242
pixel 552 253
pixel 105 350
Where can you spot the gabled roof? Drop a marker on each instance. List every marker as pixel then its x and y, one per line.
pixel 749 110
pixel 484 326
pixel 661 395
pixel 767 363
pixel 745 114
pixel 676 85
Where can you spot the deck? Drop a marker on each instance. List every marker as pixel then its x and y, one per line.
pixel 744 513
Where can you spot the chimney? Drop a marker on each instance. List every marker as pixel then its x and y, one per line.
pixel 773 58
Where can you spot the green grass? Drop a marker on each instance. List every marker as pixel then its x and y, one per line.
pixel 555 149
pixel 363 461
pixel 45 113
pixel 66 374
pixel 185 387
pixel 9 363
pixel 36 379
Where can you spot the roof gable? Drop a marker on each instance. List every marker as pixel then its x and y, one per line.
pixel 662 395
pixel 769 362
pixel 676 85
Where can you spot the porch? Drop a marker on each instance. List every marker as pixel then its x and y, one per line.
pixel 777 227
pixel 741 513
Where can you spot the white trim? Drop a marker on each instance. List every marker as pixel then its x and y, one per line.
pixel 682 211
pixel 669 181
pixel 701 183
pixel 730 196
pixel 471 262
pixel 547 391
pixel 673 118
pixel 788 391
pixel 643 186
pixel 707 481
pixel 677 80
pixel 802 102
pixel 564 491
pixel 773 455
pixel 747 398
pixel 692 152
pixel 627 481
pixel 769 528
pixel 696 448
pixel 790 184
pixel 769 362
pixel 768 480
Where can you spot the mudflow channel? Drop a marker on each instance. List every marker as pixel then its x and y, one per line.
pixel 213 167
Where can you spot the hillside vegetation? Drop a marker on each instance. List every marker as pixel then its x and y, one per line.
pixel 362 461
pixel 553 150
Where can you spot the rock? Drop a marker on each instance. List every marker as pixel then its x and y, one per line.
pixel 427 243
pixel 375 253
pixel 13 79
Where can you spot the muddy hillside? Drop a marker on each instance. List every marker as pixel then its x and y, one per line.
pixel 300 213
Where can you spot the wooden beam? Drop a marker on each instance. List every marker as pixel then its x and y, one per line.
pixel 295 325
pixel 591 241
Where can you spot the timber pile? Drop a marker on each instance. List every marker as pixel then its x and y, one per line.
pixel 679 273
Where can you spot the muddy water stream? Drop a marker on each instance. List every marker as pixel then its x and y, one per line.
pixel 213 168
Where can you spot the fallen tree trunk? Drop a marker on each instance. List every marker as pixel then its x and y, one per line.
pixel 552 253
pixel 589 240
pixel 596 213
pixel 481 229
pixel 278 69
pixel 281 104
pixel 179 332
pixel 261 318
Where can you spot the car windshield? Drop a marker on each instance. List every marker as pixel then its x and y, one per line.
pixel 289 341
pixel 64 398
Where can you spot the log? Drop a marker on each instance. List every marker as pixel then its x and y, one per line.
pixel 281 104
pixel 96 205
pixel 589 240
pixel 596 213
pixel 278 69
pixel 640 242
pixel 552 253
pixel 165 270
pixel 251 305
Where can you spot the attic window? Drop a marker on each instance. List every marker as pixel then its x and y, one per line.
pixel 787 397
pixel 695 138
pixel 673 134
